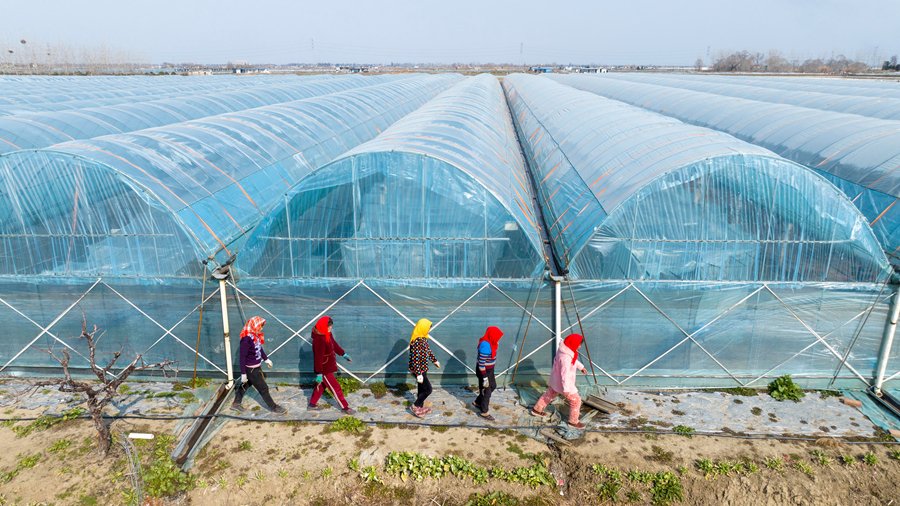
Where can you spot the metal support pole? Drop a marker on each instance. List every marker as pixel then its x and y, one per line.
pixel 557 310
pixel 887 341
pixel 228 366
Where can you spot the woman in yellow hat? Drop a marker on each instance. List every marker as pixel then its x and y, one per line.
pixel 419 357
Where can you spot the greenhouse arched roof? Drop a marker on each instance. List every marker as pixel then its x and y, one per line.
pixel 33 131
pixel 874 107
pixel 441 193
pixel 125 204
pixel 631 194
pixel 860 155
pixel 37 90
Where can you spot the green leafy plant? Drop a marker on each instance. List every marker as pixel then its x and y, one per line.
pixel 369 474
pixel 260 476
pixel 163 477
pixel 223 482
pixel 684 431
pixel 378 389
pixel 848 459
pixel 245 445
pixel 60 446
pixel 492 499
pixel 667 488
pixel 347 424
pixel 326 472
pixel 784 388
pixel 417 466
pixel 353 464
pixel 609 491
pixel 240 481
pixel 870 459
pixel 895 454
pixel 776 464
pixel 804 467
pixel 348 386
pixel 282 473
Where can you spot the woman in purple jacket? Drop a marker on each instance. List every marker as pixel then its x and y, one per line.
pixel 251 357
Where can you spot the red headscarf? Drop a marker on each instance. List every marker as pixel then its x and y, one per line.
pixel 573 342
pixel 492 336
pixel 254 328
pixel 322 327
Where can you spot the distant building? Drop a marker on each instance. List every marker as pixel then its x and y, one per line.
pixel 541 70
pixel 252 70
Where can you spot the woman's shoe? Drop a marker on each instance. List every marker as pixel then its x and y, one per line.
pixel 539 414
pixel 487 417
pixel 348 411
pixel 417 412
pixel 280 410
pixel 426 411
pixel 576 425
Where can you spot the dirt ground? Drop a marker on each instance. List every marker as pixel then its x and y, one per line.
pixel 284 463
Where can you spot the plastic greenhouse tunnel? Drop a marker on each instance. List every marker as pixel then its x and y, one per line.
pixel 119 225
pixel 697 257
pixel 431 219
pixel 860 155
pixel 33 131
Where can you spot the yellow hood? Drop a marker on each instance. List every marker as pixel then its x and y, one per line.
pixel 421 330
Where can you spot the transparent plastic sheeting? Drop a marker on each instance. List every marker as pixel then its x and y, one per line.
pixel 442 193
pixel 859 155
pixel 740 333
pixel 630 194
pixel 835 86
pixel 874 107
pixel 156 202
pixel 36 94
pixel 731 334
pixel 373 323
pixel 33 131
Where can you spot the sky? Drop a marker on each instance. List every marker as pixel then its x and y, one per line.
pixel 650 32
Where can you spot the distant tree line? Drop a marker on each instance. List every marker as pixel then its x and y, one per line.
pixel 32 57
pixel 775 61
pixel 891 64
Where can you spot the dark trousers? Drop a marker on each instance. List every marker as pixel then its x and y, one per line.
pixel 483 400
pixel 255 379
pixel 424 390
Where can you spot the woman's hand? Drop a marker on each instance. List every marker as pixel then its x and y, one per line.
pixel 420 378
pixel 269 363
pixel 437 364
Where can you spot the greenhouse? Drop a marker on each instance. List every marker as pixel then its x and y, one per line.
pixel 34 131
pixel 860 155
pixel 697 257
pixel 874 107
pixel 121 225
pixel 695 236
pixel 431 219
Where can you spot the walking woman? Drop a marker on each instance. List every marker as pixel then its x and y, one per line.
pixel 419 357
pixel 251 358
pixel 487 357
pixel 562 381
pixel 325 353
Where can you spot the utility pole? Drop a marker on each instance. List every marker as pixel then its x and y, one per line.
pixel 521 54
pixel 312 46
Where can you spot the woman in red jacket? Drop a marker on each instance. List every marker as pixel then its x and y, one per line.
pixel 325 352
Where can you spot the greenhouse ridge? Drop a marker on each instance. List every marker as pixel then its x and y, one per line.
pixel 713 231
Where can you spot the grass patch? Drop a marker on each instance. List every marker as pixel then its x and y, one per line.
pixel 440 429
pixel 742 391
pixel 756 411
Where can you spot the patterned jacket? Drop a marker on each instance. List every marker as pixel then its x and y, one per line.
pixel 420 356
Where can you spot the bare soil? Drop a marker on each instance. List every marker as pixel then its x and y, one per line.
pixel 247 456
